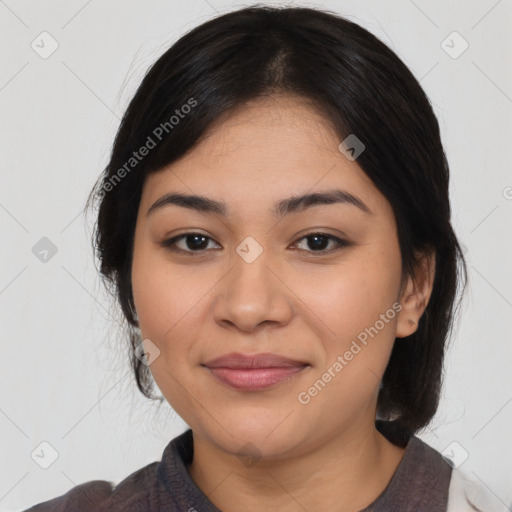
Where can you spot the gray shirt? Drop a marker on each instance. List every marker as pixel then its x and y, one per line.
pixel 419 484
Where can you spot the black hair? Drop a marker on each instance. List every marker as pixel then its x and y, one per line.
pixel 358 85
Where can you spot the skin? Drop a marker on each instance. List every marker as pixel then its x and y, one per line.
pixel 292 301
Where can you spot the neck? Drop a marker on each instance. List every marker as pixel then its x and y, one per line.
pixel 346 473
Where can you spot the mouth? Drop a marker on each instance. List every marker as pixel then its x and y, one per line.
pixel 254 372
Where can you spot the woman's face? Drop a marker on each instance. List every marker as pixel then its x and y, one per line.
pixel 254 281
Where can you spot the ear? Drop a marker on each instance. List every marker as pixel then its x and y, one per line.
pixel 416 294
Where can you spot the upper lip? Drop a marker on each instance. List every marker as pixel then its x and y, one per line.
pixel 243 361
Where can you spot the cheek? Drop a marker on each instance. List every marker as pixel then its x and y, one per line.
pixel 356 306
pixel 168 299
pixel 354 295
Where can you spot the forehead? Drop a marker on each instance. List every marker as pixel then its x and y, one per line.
pixel 261 152
pixel 275 124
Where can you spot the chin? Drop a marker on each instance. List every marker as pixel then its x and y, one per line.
pixel 256 436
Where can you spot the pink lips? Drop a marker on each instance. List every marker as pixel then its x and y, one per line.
pixel 254 372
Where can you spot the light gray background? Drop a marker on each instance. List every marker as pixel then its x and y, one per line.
pixel 64 378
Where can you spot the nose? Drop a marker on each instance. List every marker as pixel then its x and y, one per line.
pixel 254 293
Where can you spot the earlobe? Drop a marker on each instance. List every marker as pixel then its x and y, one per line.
pixel 416 295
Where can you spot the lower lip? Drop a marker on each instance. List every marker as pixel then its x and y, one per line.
pixel 256 378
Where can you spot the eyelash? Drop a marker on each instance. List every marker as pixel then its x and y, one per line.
pixel 171 243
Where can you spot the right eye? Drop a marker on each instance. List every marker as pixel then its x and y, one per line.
pixel 192 243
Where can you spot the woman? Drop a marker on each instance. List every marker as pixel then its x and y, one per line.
pixel 275 223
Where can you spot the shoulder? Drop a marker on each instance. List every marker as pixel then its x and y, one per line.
pixel 134 491
pixel 162 482
pixel 466 494
pixel 80 498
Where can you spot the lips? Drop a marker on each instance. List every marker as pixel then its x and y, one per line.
pixel 242 361
pixel 254 372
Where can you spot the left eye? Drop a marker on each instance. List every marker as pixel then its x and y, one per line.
pixel 318 241
pixel 197 243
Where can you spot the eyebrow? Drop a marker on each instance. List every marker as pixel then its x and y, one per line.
pixel 283 207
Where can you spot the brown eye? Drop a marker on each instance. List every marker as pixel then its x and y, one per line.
pixel 318 242
pixel 190 243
